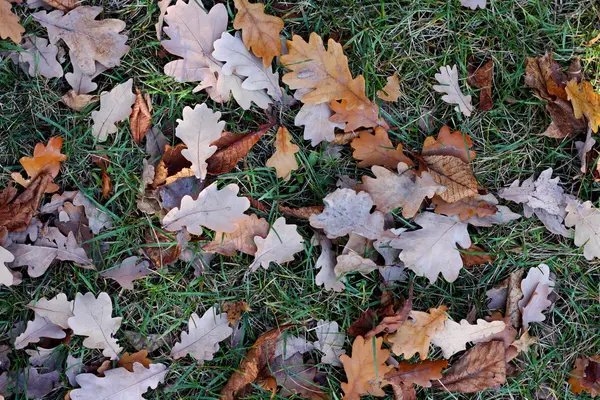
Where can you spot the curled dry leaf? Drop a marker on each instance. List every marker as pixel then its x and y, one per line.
pixel 481 76
pixel 391 323
pixel 448 79
pixel 255 364
pixel 280 245
pixel 102 161
pixel 140 119
pixel 9 23
pixel 391 90
pixel 260 31
pixel 415 335
pixel 16 212
pixel 284 157
pixel 78 102
pixel 377 149
pixel 417 374
pixel 464 208
pixel 300 213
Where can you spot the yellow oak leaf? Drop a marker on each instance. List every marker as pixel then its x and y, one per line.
pixel 416 333
pixel 585 102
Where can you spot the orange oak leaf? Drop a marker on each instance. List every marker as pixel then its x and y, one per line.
pixel 415 335
pixel 464 208
pixel 449 144
pixel 391 91
pixel 377 149
pixel 9 23
pixel 284 158
pixel 585 377
pixel 585 102
pixel 260 31
pixel 141 118
pixel 234 310
pixel 365 369
pixel 418 374
pixel 325 71
pixel 126 361
pixel 366 117
pixel 46 159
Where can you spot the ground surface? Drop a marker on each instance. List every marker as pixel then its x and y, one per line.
pixel 414 38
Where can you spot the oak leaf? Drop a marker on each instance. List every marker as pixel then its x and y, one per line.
pixel 326 264
pixel 215 209
pixel 473 4
pixel 92 318
pixel 46 159
pixel 128 271
pixel 81 82
pixel 9 23
pixel 391 90
pixel 475 255
pixel 394 321
pixel 316 120
pixel 586 220
pixel 432 250
pixel 76 101
pixel 16 212
pixel 203 336
pixel 57 310
pixel 90 40
pixel 296 377
pixel 301 212
pixel 464 208
pixel 128 360
pixel 377 149
pixel 365 369
pixel 536 288
pixel 284 158
pixel 280 245
pixel 417 374
pixel 585 377
pixel 355 118
pixel 415 335
pixel 330 342
pixel 525 342
pixel 63 5
pixel 405 189
pixel 482 367
pixel 325 71
pixel 6 276
pixel 234 311
pixel 502 215
pixel 39 57
pixel 288 345
pixel 448 79
pixel 120 383
pixel 162 8
pixel 453 173
pixel 455 336
pixel 448 143
pixel 141 118
pixel 242 239
pixel 481 76
pixel 585 102
pixel 353 262
pixel 38 328
pixel 115 106
pixel 260 31
pixel 348 212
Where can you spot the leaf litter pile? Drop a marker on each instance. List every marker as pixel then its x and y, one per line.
pixel 406 217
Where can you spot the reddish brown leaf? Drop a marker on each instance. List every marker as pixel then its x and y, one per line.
pixel 255 364
pixel 391 323
pixel 234 310
pixel 586 376
pixel 63 5
pixel 449 144
pixel 464 208
pixel 404 392
pixel 356 118
pixel 481 76
pixel 172 166
pixel 161 249
pixel 16 211
pixel 364 323
pixel 377 149
pixel 102 162
pixel 141 118
pixel 126 361
pixel 302 212
pixel 475 255
pixel 419 374
pixel 225 159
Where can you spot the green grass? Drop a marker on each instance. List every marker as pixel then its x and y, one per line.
pixel 414 38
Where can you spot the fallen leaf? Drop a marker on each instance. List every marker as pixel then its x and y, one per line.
pixel 300 213
pixel 233 149
pixel 155 143
pixel 330 342
pixel 80 82
pixel 448 143
pixel 417 374
pixel 203 336
pixel 585 377
pixel 356 118
pixel 585 102
pixel 481 76
pixel 353 262
pixel 162 8
pixel 288 345
pixel 102 161
pixel 127 271
pixel 348 212
pixel 78 102
pixel 536 288
pixel 9 23
pixel 16 212
pixel 242 239
pixel 234 310
pixel 583 148
pixel 6 275
pixel 120 383
pixel 475 255
pixel 74 368
pixel 46 160
pixel 296 377
pixel 98 219
pixel 391 323
pixel 284 158
pixel 473 4
pixel 127 360
pixel 260 31
pixel 57 310
pixel 215 209
pixel 342 138
pixel 325 71
pixel 280 245
pixel 258 358
pixel 448 79
pixel 406 189
pixel 140 119
pixel 464 208
pixel 404 392
pixel 454 174
pixel 63 5
pixel 525 342
pixel 514 294
pixel 38 385
pixel 377 149
pixel 38 328
pixel 414 336
pixel 482 367
pixel 316 120
pixel 365 369
pixel 586 220
pixel 503 214
pixel 391 90
pixel 92 318
pixel 39 57
pixel 90 40
pixel 115 106
pixel 455 336
pixel 326 264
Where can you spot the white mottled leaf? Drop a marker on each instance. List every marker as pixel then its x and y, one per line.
pixel 448 79
pixel 115 106
pixel 58 309
pixel 330 342
pixel 455 336
pixel 280 245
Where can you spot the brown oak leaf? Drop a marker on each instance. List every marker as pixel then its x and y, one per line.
pixel 418 374
pixel 464 208
pixel 415 335
pixel 127 360
pixel 9 23
pixel 16 211
pixel 475 255
pixel 481 76
pixel 391 91
pixel 449 144
pixel 585 101
pixel 46 159
pixel 140 119
pixel 585 377
pixel 355 118
pixel 377 149
pixel 234 310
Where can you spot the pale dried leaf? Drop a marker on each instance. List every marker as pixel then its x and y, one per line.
pixel 38 385
pixel 162 8
pixel 9 23
pixel 57 310
pixel 80 82
pixel 448 79
pixel 92 318
pixel 203 336
pixel 118 383
pixel 242 239
pixel 88 39
pixel 115 106
pixel 288 345
pixel 455 336
pixel 39 57
pixel 74 368
pixel 128 271
pixel 583 148
pixel 6 276
pixel 586 220
pixel 215 209
pixel 97 219
pixel 284 157
pixel 348 212
pixel 415 335
pixel 536 288
pixel 280 245
pixel 326 264
pixel 76 101
pixel 473 4
pixel 353 262
pixel 316 121
pixel 38 328
pixel 330 342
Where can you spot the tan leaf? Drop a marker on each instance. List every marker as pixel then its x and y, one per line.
pixel 585 102
pixel 115 106
pixel 356 118
pixel 315 119
pixel 259 357
pixel 325 71
pixel 242 239
pixel 63 5
pixel 525 342
pixel 453 173
pixel 448 79
pixel 162 8
pixel 391 323
pixel 586 220
pixel 391 90
pixel 415 335
pixel 78 102
pixel 536 288
pixel 353 262
pixel 417 374
pixel 482 367
pixel 284 158
pixel 514 294
pixel 464 208
pixel 215 209
pixel 127 360
pixel 481 76
pixel 300 213
pixel 57 310
pixel 449 143
pixel 377 149
pixel 344 137
pixel 407 190
pixel 455 336
pixel 37 329
pixel 280 245
pixel 9 23
pixel 234 310
pixel 365 369
pixel 39 57
pixel 89 39
pixel 140 119
pixel 260 31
